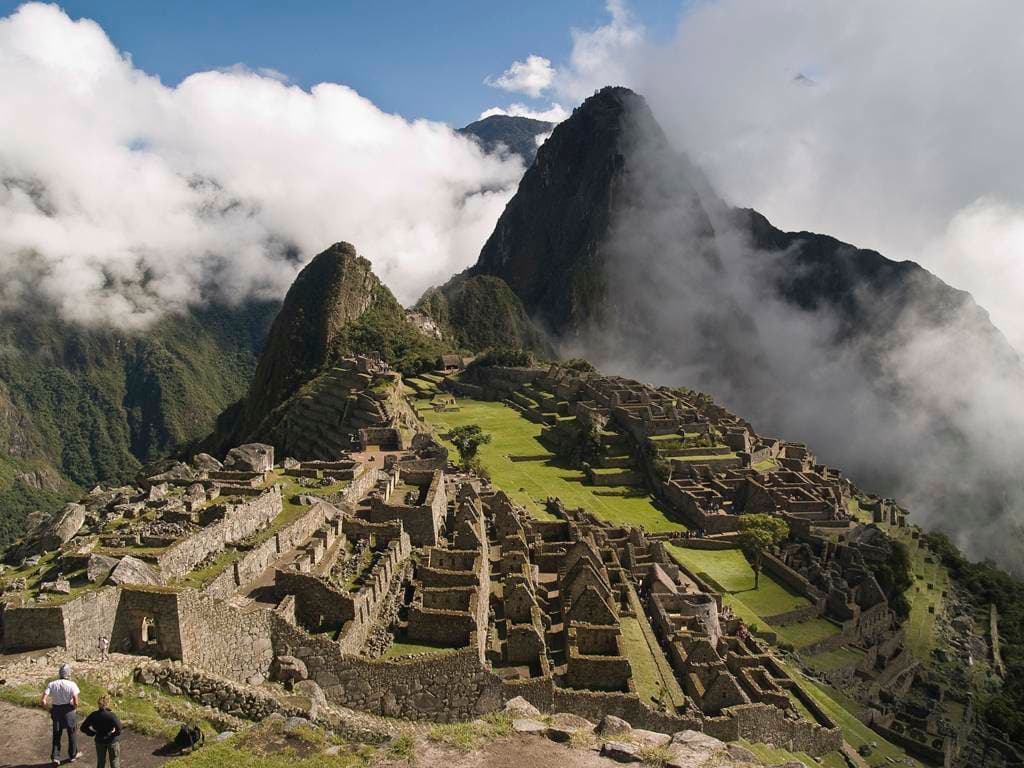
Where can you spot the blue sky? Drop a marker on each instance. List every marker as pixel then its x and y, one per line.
pixel 421 59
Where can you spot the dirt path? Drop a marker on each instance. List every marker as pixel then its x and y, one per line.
pixel 25 742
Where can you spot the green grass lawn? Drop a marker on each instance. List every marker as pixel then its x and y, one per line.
pixel 531 482
pixel 730 570
pixel 404 649
pixel 920 627
pixel 829 660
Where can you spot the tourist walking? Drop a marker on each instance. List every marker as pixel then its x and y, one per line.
pixel 105 728
pixel 61 696
pixel 104 645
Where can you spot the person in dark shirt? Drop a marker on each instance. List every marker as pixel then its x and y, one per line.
pixel 106 728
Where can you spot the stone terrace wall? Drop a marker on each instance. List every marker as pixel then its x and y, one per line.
pixel 781 572
pixel 76 625
pixel 260 558
pixel 33 627
pixel 442 687
pixel 240 522
pixel 214 636
pixel 88 617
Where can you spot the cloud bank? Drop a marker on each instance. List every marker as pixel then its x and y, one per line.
pixel 122 199
pixel 907 143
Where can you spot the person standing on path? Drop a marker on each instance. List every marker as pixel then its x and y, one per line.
pixel 104 726
pixel 61 696
pixel 104 645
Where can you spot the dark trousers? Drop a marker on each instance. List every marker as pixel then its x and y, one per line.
pixel 64 719
pixel 108 752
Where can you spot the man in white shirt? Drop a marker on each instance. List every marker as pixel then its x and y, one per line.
pixel 61 696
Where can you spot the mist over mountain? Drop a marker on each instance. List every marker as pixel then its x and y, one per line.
pixel 620 251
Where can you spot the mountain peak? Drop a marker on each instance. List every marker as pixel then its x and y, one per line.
pixel 331 292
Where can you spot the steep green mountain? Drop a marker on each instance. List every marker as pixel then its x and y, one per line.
pixel 620 251
pixel 517 134
pixel 481 312
pixel 336 307
pixel 81 405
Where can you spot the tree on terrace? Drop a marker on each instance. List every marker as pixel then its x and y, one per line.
pixel 467 440
pixel 758 533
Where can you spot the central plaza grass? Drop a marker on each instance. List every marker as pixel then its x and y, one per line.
pixel 531 482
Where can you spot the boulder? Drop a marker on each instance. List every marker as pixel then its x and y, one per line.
pixel 99 567
pixel 251 457
pixel 57 587
pixel 313 696
pixel 162 472
pixel 68 523
pixel 528 725
pixel 611 725
pixel 290 463
pixel 131 570
pixel 288 669
pixel 564 726
pixel 520 707
pixel 650 738
pixel 693 748
pixel 204 462
pixel 741 754
pixel 223 736
pixel 621 752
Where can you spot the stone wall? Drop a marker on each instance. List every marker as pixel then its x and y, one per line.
pixel 160 608
pixel 781 572
pixel 75 625
pixel 257 560
pixel 441 687
pixel 213 691
pixel 239 521
pixel 87 618
pixel 33 627
pixel 215 636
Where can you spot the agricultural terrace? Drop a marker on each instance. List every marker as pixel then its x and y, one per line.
pixel 529 473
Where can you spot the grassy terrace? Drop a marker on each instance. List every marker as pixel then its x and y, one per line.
pixel 920 627
pixel 531 482
pixel 843 712
pixel 770 755
pixel 730 570
pixel 405 648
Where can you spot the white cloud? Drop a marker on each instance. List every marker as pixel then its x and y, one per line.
pixel 912 120
pixel 556 113
pixel 531 77
pixel 121 198
pixel 602 56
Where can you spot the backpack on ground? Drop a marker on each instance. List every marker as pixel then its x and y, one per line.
pixel 190 737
